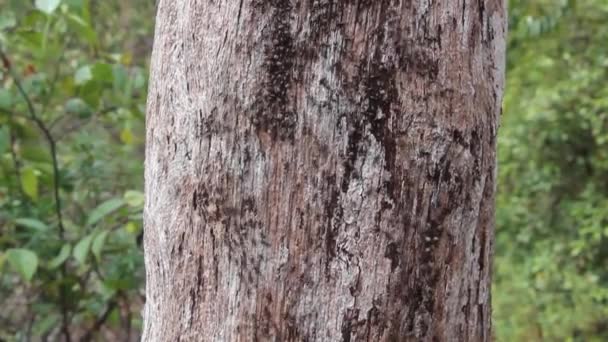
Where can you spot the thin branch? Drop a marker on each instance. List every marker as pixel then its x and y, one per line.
pixel 128 315
pixel 13 114
pixel 16 163
pixel 99 322
pixel 40 124
pixel 83 123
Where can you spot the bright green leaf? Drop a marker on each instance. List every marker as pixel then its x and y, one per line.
pixel 126 136
pixel 24 261
pixel 29 183
pixel 31 38
pixel 47 6
pixel 63 255
pixel 131 228
pixel 98 244
pixel 82 248
pixel 104 209
pixel 32 223
pixel 102 72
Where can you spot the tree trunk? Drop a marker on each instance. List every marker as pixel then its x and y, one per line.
pixel 322 170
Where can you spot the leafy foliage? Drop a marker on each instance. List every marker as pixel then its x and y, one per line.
pixel 551 269
pixel 72 95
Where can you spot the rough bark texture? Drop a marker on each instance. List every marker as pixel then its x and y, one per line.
pixel 322 170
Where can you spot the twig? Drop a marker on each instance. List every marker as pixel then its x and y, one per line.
pixel 40 124
pixel 83 123
pixel 13 114
pixel 99 322
pixel 128 317
pixel 16 163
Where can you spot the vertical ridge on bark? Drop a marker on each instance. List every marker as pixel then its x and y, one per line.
pixel 322 170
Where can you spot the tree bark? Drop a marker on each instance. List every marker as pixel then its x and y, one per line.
pixel 322 170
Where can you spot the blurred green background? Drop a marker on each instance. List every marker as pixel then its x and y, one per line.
pixel 72 97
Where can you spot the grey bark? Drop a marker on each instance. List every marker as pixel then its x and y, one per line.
pixel 322 170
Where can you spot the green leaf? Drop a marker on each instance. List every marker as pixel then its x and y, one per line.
pixel 98 244
pixel 7 19
pixel 131 228
pixel 83 75
pixel 6 99
pixel 139 79
pixel 82 28
pixel 134 198
pixel 121 78
pixel 32 40
pixel 79 107
pixel 32 223
pixel 42 326
pixel 47 6
pixel 37 153
pixel 82 248
pixel 102 72
pixel 29 183
pixel 91 92
pixel 126 136
pixel 5 140
pixel 106 289
pixel 104 209
pixel 63 255
pixel 24 261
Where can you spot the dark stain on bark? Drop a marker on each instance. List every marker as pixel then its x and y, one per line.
pixel 292 329
pixel 200 201
pixel 392 252
pixel 355 136
pixel 375 87
pixel 274 111
pixel 381 93
pixel 374 318
pixel 418 60
pixel 349 324
pixel 481 6
pixel 322 18
pixel 200 272
pixel 333 214
pixel 326 16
